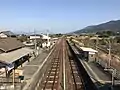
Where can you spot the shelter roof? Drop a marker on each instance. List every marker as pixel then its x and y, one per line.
pixel 14 55
pixel 88 49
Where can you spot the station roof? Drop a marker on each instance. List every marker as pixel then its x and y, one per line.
pixel 88 49
pixel 3 64
pixel 15 55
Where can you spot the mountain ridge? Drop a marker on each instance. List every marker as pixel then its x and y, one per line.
pixel 113 25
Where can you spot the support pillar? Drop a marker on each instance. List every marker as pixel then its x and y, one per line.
pixel 6 72
pixel 13 77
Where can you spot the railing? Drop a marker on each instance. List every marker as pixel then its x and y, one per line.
pixel 8 80
pixel 6 83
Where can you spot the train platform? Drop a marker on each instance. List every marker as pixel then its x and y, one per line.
pixel 30 68
pixel 101 78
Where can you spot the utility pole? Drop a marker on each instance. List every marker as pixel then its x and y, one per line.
pixel 97 48
pixel 109 54
pixel 47 36
pixel 97 42
pixel 35 41
pixel 48 41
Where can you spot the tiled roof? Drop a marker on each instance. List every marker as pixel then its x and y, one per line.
pixel 8 33
pixel 9 44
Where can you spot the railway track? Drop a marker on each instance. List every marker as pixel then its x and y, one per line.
pixel 74 72
pixel 51 79
pixel 63 72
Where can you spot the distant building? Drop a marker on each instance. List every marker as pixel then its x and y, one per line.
pixel 32 37
pixel 5 34
pixel 2 35
pixel 42 39
pixel 45 36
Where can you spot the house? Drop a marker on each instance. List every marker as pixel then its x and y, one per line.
pixel 32 37
pixel 36 39
pixel 42 40
pixel 45 36
pixel 5 34
pixel 47 42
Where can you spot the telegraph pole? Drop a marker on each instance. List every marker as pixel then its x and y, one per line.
pixel 47 36
pixel 48 41
pixel 97 48
pixel 35 41
pixel 97 42
pixel 109 53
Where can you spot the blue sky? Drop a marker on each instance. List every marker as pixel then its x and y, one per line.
pixel 59 16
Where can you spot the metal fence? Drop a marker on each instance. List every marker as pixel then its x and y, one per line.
pixel 6 83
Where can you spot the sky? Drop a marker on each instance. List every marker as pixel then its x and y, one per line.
pixel 57 16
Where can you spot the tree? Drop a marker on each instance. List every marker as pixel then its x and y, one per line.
pixel 117 39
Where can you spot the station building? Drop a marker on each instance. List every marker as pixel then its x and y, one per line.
pixel 12 55
pixel 88 54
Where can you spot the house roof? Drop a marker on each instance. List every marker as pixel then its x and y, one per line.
pixel 15 55
pixel 9 44
pixel 36 35
pixel 8 33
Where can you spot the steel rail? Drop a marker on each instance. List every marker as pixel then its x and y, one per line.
pixel 77 79
pixel 55 66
